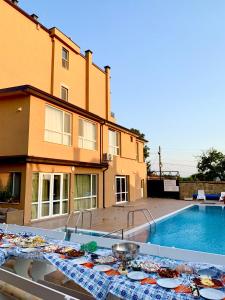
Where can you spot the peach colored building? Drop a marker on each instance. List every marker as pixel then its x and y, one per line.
pixel 60 146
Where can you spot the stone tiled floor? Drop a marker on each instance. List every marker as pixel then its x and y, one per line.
pixel 114 218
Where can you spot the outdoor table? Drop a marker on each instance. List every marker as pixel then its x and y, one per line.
pixel 101 285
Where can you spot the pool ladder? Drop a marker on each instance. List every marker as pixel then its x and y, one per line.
pixel 148 216
pixel 80 215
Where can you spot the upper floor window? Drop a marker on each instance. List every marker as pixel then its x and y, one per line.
pixel 57 126
pixel 65 58
pixel 137 151
pixel 114 142
pixel 64 93
pixel 87 135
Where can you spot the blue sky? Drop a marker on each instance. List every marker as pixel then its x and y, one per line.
pixel 167 63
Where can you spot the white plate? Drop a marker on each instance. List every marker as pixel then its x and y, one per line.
pixel 80 261
pixel 212 294
pixel 137 275
pixel 168 283
pixel 28 250
pixel 6 245
pixel 102 268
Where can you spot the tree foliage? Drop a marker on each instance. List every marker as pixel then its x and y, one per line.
pixel 211 165
pixel 146 148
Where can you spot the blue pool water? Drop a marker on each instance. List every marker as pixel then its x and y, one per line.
pixel 200 228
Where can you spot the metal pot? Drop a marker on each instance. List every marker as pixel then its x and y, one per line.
pixel 125 251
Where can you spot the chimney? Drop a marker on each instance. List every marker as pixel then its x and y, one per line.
pixel 35 17
pixel 15 2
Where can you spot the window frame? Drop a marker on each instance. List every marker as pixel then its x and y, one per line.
pixel 13 200
pixel 66 90
pixel 91 195
pixel 82 139
pixel 63 133
pixel 39 203
pixel 65 61
pixel 114 149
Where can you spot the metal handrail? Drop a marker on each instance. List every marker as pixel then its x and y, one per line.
pixel 143 210
pixel 115 231
pixel 80 215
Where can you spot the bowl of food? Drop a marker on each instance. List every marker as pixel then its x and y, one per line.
pixel 125 251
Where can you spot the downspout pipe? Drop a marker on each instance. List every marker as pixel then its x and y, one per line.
pixel 104 185
pixel 104 170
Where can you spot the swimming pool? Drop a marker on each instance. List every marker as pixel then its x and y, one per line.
pixel 199 228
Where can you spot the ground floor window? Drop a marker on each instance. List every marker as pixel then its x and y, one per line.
pixel 50 194
pixel 10 185
pixel 121 192
pixel 85 191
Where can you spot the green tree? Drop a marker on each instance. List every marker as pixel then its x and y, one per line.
pixel 146 148
pixel 211 165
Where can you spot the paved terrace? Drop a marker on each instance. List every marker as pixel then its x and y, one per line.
pixel 114 218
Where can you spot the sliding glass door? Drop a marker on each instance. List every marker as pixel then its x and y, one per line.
pixel 121 189
pixel 50 194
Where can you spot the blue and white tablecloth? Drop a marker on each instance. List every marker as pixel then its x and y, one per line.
pixel 100 285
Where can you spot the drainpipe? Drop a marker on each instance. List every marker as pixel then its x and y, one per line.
pixel 101 154
pixel 104 185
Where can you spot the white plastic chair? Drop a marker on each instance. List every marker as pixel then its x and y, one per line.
pixel 201 195
pixel 222 196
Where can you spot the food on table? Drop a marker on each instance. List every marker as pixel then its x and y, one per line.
pixel 148 281
pixel 8 236
pixel 94 256
pixel 29 242
pixel 184 269
pixel 167 273
pixel 63 250
pixel 105 260
pixel 75 253
pixel 183 289
pixel 208 282
pixel 50 248
pixel 69 252
pixel 122 270
pixel 149 266
pixel 194 290
pixel 112 273
pixel 135 265
pixel 223 279
pixel 88 265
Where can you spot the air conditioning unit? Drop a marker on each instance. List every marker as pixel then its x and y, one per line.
pixel 107 157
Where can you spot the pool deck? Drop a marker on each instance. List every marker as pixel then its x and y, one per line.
pixel 114 218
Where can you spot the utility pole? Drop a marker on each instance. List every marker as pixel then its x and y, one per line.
pixel 160 163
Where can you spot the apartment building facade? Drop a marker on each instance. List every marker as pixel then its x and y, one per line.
pixel 61 148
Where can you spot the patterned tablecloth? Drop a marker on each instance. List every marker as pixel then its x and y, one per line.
pixel 100 285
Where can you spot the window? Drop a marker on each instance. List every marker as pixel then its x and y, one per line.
pixel 64 93
pixel 87 135
pixel 121 189
pixel 137 151
pixel 114 141
pixel 10 183
pixel 50 194
pixel 131 139
pixel 57 126
pixel 65 58
pixel 85 191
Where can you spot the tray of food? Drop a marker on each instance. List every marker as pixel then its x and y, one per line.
pixel 69 253
pixel 208 282
pixel 149 267
pixel 105 260
pixel 167 273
